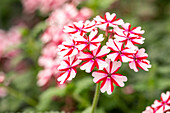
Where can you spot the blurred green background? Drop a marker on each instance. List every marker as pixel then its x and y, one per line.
pixel 141 89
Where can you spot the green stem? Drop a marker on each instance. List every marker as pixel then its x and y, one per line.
pixel 96 97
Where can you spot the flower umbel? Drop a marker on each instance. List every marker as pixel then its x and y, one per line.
pixel 104 53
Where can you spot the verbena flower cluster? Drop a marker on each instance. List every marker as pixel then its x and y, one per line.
pixel 87 48
pixel 162 106
pixel 54 36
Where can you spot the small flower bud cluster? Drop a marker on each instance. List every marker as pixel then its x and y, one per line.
pixel 162 106
pixel 85 46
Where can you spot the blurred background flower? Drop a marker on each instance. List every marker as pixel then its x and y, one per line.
pixel 31 30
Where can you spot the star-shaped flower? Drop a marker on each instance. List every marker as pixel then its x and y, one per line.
pixel 109 77
pixel 94 59
pixel 68 48
pixel 139 61
pixel 164 104
pixel 91 42
pixel 79 28
pixel 109 20
pixel 68 65
pixel 129 39
pixel 135 30
pixel 119 52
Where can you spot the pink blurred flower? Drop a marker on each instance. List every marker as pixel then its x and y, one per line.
pixel 109 77
pixel 44 77
pixel 50 5
pixel 2 77
pixel 30 5
pixel 3 92
pixel 50 70
pixel 84 13
pixel 54 34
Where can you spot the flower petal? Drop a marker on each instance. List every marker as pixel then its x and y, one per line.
pixel 98 76
pixel 133 66
pixel 107 86
pixel 103 52
pixel 115 66
pixel 87 66
pixel 113 56
pixel 119 79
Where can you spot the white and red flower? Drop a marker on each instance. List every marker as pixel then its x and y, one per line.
pixel 68 65
pixel 79 28
pixel 91 42
pixel 164 104
pixel 149 110
pixel 68 48
pixel 109 20
pixel 109 77
pixel 139 61
pixel 119 52
pixel 94 59
pixel 129 39
pixel 135 30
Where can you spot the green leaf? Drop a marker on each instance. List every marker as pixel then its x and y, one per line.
pixel 83 84
pixel 46 97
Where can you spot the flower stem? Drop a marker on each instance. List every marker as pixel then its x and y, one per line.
pixel 96 97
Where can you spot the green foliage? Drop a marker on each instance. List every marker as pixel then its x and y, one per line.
pixel 47 96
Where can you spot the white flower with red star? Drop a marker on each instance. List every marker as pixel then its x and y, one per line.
pixel 119 52
pixel 68 48
pixel 135 30
pixel 129 39
pixel 108 76
pixel 94 58
pixel 79 28
pixel 139 61
pixel 91 42
pixel 68 66
pixel 164 104
pixel 109 20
